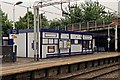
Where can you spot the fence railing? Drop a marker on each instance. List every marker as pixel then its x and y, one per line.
pixel 92 25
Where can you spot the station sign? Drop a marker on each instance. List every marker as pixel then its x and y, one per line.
pixel 14 31
pixel 50 35
pixel 87 37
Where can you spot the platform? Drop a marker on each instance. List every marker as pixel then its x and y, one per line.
pixel 25 64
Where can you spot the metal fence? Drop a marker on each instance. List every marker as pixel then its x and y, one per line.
pixel 92 25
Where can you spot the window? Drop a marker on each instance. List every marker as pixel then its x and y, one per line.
pixel 87 44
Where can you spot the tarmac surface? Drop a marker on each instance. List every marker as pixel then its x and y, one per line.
pixel 26 61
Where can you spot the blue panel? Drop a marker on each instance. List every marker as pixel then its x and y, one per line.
pixel 48 30
pixel 62 31
pixel 26 30
pixel 72 41
pixel 10 42
pixel 12 31
pixel 76 53
pixel 58 31
pixel 52 55
pixel 9 31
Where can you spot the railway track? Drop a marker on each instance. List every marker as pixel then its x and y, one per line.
pixel 113 74
pixel 96 73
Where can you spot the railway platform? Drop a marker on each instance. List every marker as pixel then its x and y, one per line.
pixel 27 68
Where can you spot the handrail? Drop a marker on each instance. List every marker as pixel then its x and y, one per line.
pixel 91 25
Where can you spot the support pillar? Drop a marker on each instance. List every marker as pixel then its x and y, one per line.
pixel 116 38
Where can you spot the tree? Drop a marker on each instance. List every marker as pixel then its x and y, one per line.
pixel 92 11
pixel 88 11
pixel 54 24
pixel 22 23
pixel 5 23
pixel 76 13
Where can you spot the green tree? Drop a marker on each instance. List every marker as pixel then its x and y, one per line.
pixel 88 11
pixel 23 24
pixel 75 13
pixel 92 11
pixel 54 24
pixel 5 23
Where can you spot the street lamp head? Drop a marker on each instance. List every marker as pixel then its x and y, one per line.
pixel 20 2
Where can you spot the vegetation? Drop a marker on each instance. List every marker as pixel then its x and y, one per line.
pixel 88 11
pixel 84 12
pixel 5 23
pixel 23 23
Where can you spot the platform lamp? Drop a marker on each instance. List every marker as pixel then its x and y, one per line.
pixel 17 3
pixel 108 39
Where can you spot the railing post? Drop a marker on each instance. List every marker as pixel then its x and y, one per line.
pixel 65 27
pixel 87 25
pixel 80 26
pixel 72 27
pixel 95 25
pixel 103 23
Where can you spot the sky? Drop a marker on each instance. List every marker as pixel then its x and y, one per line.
pixel 55 13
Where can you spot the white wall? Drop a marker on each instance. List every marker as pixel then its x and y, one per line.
pixel 20 41
pixel 30 41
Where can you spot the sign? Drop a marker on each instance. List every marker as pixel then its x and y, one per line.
pixel 51 49
pixel 14 31
pixel 12 36
pixel 87 37
pixel 50 35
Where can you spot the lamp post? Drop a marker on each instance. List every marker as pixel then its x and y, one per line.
pixel 17 3
pixel 28 20
pixel 109 36
pixel 116 38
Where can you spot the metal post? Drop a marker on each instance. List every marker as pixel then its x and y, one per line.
pixel 65 27
pixel 80 26
pixel 103 23
pixel 28 17
pixel 35 33
pixel 95 25
pixel 13 16
pixel 108 39
pixel 87 26
pixel 116 39
pixel 40 20
pixel 38 31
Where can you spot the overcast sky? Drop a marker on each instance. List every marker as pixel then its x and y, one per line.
pixel 20 11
